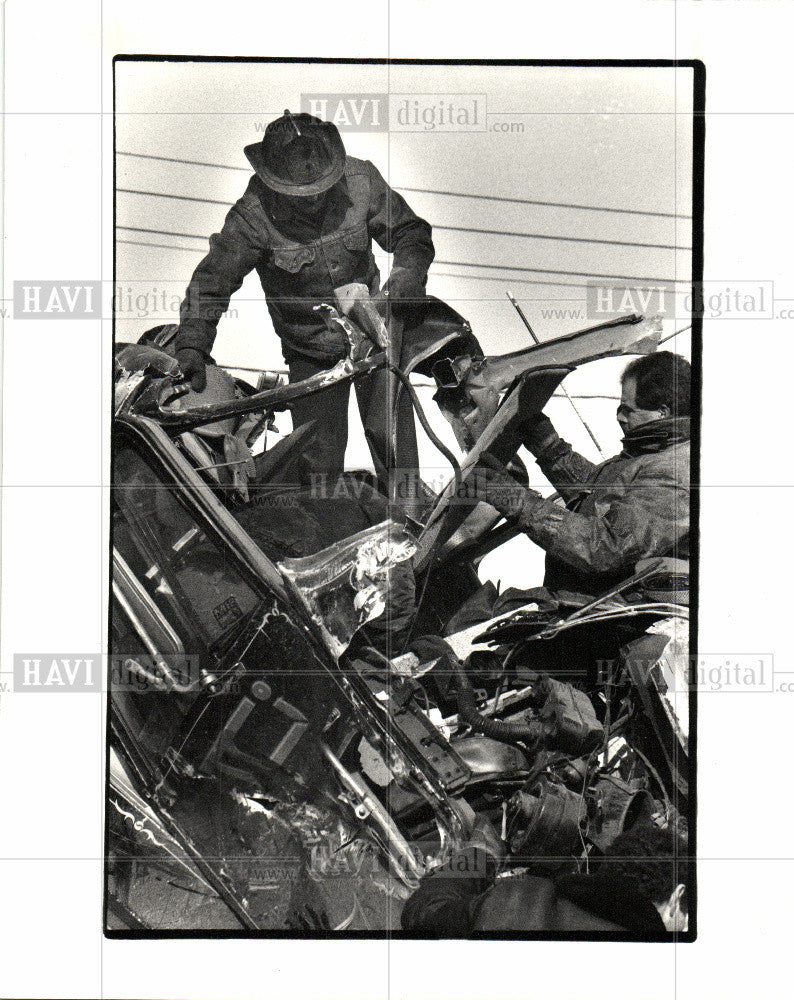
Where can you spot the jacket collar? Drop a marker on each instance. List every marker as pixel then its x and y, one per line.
pixel 656 435
pixel 280 209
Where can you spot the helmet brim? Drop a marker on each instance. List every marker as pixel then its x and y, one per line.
pixel 255 154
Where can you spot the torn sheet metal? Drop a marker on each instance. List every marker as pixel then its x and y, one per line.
pixel 675 678
pixel 470 388
pixel 134 366
pixel 527 380
pixel 501 437
pixel 631 334
pixel 358 362
pixel 469 397
pixel 657 664
pixel 270 399
pixel 346 585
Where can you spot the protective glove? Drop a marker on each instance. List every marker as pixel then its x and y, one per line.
pixel 193 363
pixel 404 290
pixel 498 488
pixel 538 433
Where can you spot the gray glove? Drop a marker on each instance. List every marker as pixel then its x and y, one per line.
pixel 497 487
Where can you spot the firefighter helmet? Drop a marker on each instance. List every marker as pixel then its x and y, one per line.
pixel 300 155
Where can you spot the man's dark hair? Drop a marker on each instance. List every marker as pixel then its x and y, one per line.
pixel 663 379
pixel 654 857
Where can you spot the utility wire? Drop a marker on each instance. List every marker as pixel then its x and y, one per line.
pixel 163 232
pixel 565 239
pixel 178 197
pixel 160 246
pixel 434 274
pixel 492 277
pixel 541 270
pixel 454 229
pixel 447 263
pixel 176 159
pixel 550 204
pixel 451 194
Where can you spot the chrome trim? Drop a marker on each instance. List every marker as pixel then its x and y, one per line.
pixel 127 587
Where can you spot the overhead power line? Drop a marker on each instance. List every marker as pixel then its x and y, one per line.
pixel 515 280
pixel 177 159
pixel 163 232
pixel 177 197
pixel 451 263
pixel 564 239
pixel 436 274
pixel 456 229
pixel 160 246
pixel 541 270
pixel 550 204
pixel 450 194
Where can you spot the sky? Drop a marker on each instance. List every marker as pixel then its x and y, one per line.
pixel 598 138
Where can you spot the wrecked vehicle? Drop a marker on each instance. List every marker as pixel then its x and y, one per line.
pixel 313 699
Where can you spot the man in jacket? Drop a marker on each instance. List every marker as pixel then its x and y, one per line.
pixel 639 887
pixel 631 507
pixel 306 223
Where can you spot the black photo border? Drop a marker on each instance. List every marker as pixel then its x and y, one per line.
pixel 698 204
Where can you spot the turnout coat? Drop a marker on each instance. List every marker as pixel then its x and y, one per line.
pixel 631 507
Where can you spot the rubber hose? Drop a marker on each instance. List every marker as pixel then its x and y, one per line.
pixel 427 428
pixel 504 732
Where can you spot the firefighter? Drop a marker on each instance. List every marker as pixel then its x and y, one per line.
pixel 632 507
pixel 306 223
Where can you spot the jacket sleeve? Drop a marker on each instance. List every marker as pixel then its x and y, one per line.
pixel 445 902
pixel 649 518
pixel 234 252
pixel 566 470
pixel 396 227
